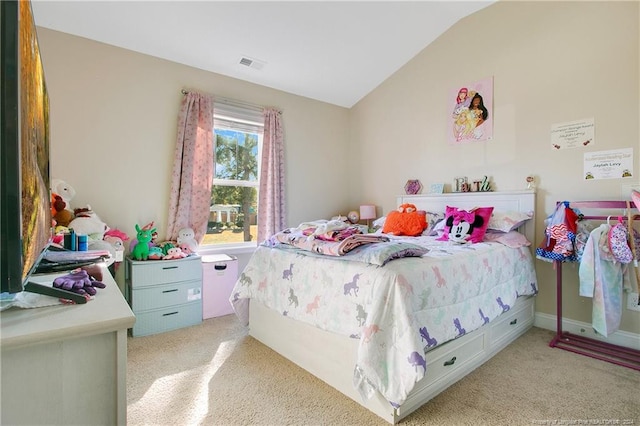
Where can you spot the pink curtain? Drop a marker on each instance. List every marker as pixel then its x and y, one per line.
pixel 192 167
pixel 271 198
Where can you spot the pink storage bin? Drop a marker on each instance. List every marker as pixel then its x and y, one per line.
pixel 219 275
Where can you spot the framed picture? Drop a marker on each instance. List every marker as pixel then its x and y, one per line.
pixel 436 188
pixel 413 187
pixel 471 109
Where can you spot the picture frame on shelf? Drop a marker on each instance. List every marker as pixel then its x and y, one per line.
pixel 436 188
pixel 413 187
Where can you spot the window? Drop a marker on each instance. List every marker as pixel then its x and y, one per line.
pixel 234 193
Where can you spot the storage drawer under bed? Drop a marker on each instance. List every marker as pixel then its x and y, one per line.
pixel 510 323
pixel 452 356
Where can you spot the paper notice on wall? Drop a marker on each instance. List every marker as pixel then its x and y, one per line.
pixel 614 164
pixel 573 134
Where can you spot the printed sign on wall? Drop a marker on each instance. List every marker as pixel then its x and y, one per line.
pixel 614 164
pixel 573 134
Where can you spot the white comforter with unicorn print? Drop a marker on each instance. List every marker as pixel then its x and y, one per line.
pixel 398 311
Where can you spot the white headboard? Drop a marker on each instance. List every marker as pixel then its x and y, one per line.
pixel 522 201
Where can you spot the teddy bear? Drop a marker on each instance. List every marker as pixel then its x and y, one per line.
pixel 406 220
pixel 59 211
pixel 64 190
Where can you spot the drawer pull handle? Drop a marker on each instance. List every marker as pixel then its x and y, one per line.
pixel 170 267
pixel 220 267
pixel 170 291
pixel 514 322
pixel 170 313
pixel 450 362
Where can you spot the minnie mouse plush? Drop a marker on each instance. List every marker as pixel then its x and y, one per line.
pixel 461 225
pixel 466 226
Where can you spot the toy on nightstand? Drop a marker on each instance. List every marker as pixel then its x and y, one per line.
pixel 141 249
pixel 155 253
pixel 174 253
pixel 187 240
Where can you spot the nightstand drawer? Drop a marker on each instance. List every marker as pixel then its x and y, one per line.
pixel 166 319
pixel 154 272
pixel 160 296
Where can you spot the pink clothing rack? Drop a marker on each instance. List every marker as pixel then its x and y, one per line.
pixel 620 355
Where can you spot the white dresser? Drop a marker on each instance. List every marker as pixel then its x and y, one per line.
pixel 164 294
pixel 66 364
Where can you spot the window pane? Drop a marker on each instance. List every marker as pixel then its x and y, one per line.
pixel 236 155
pixel 233 215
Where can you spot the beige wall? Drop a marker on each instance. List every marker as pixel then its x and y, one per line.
pixel 552 62
pixel 113 130
pixel 114 116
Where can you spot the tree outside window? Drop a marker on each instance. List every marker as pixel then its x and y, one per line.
pixel 234 193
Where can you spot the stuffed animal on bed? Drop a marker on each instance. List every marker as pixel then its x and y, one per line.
pixel 407 220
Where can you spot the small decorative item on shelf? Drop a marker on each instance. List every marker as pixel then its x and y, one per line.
pixel 531 182
pixel 413 187
pixel 460 184
pixel 436 188
pixel 353 216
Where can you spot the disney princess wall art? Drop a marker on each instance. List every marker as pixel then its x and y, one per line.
pixel 471 112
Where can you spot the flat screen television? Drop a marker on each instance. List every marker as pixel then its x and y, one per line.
pixel 25 216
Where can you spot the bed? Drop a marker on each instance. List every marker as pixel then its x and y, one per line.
pixel 393 334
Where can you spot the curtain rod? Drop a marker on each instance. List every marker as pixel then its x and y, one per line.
pixel 229 101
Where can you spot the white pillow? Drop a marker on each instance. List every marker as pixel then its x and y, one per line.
pixel 510 239
pixel 433 219
pixel 508 221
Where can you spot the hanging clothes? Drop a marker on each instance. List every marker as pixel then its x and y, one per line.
pixel 560 235
pixel 603 279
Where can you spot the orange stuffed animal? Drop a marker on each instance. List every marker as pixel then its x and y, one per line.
pixel 407 220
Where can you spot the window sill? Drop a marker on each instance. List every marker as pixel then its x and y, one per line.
pixel 230 249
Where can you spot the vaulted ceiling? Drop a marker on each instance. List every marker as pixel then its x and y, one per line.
pixel 331 51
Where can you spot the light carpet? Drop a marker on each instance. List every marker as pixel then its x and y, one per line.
pixel 215 374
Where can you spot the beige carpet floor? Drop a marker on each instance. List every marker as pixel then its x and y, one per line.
pixel 215 374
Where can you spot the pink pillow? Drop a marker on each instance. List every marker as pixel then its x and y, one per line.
pixel 462 226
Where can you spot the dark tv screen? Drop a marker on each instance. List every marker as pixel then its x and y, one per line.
pixel 25 216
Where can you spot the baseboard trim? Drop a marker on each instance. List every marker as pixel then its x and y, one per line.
pixel 621 338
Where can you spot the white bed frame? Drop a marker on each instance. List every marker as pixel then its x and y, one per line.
pixel 332 357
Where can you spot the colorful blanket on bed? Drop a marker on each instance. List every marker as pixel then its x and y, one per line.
pixel 399 311
pixel 335 243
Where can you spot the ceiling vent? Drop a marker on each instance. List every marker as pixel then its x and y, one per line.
pixel 252 63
